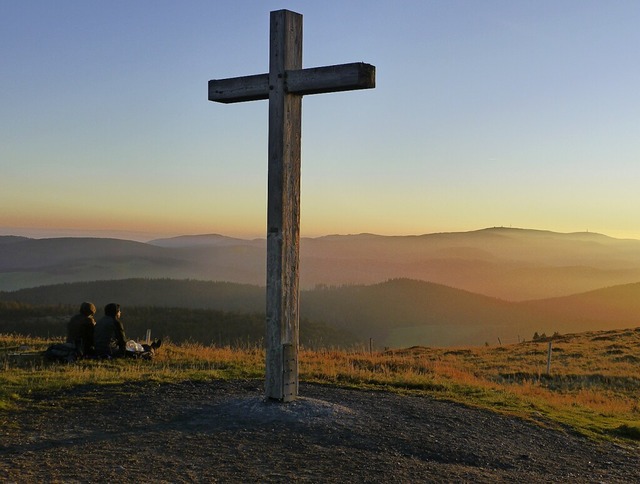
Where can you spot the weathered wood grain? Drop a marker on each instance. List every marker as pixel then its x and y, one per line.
pixel 239 89
pixel 283 206
pixel 343 77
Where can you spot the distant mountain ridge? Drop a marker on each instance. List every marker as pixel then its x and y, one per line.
pixel 395 313
pixel 204 240
pixel 507 263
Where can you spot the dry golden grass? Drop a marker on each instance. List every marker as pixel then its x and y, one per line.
pixel 592 386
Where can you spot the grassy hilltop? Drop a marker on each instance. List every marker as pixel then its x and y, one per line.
pixel 592 385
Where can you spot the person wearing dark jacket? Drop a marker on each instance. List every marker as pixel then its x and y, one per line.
pixel 108 334
pixel 80 329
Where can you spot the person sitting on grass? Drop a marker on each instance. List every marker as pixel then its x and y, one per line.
pixel 111 342
pixel 108 335
pixel 80 330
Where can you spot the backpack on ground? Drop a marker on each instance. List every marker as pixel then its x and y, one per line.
pixel 61 352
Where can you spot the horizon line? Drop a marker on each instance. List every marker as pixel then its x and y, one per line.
pixel 143 236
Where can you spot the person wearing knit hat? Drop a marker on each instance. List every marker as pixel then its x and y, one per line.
pixel 80 329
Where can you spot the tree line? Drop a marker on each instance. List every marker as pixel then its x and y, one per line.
pixel 205 326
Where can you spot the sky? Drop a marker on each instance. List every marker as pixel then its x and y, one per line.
pixel 485 113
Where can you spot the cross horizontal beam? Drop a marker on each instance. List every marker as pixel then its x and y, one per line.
pixel 343 77
pixel 316 80
pixel 239 89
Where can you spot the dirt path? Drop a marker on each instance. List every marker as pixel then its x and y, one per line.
pixel 222 431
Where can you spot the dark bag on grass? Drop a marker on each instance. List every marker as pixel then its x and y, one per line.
pixel 62 352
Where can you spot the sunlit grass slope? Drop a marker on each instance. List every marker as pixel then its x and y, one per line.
pixel 592 385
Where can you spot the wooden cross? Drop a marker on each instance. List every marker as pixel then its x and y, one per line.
pixel 284 85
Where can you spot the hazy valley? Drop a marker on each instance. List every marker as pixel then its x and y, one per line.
pixel 491 286
pixel 511 264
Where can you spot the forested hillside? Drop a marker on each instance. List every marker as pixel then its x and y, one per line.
pixel 204 326
pixel 223 296
pixel 396 313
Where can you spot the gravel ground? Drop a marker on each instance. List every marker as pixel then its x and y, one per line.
pixel 223 431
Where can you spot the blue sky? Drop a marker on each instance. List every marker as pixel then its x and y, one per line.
pixel 485 113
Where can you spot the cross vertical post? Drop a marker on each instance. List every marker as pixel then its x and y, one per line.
pixel 284 85
pixel 283 208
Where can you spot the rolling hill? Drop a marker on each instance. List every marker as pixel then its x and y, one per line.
pixel 512 264
pixel 396 313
